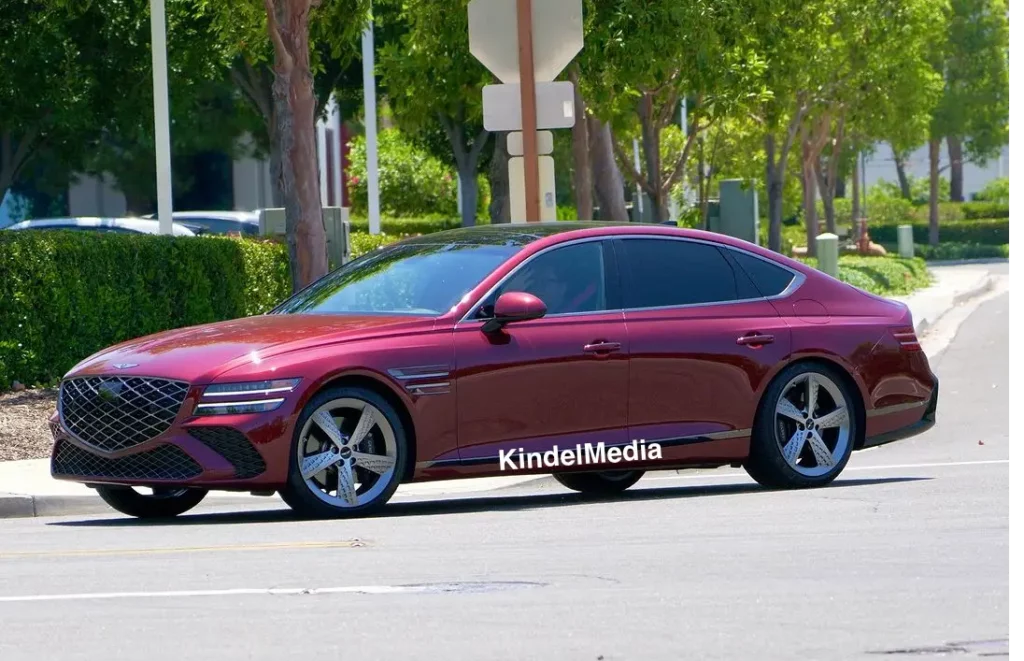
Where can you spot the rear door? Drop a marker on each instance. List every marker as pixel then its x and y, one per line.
pixel 702 341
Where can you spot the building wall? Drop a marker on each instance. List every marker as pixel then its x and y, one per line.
pixel 89 195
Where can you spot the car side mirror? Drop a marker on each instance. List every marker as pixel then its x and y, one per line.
pixel 514 306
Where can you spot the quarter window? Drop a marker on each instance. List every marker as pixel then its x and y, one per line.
pixel 770 280
pixel 666 272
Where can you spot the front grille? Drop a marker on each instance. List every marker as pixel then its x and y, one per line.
pixel 118 412
pixel 233 446
pixel 166 462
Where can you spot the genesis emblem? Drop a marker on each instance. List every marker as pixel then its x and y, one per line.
pixel 124 366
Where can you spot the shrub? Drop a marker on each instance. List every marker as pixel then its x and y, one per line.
pixel 979 210
pixel 420 225
pixel 66 295
pixel 886 276
pixel 363 242
pixel 955 251
pixel 412 181
pixel 986 232
pixel 997 190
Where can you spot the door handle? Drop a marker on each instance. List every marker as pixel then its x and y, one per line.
pixel 601 347
pixel 755 339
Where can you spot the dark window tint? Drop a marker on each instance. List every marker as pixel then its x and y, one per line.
pixel 567 279
pixel 664 272
pixel 769 279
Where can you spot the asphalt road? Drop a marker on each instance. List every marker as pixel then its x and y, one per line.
pixel 905 556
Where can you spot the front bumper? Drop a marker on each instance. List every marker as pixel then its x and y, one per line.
pixel 926 422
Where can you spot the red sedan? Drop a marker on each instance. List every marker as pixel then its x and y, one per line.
pixel 590 351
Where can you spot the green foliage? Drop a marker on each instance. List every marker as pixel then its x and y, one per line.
pixel 363 242
pixel 974 58
pixel 885 276
pixel 412 182
pixel 409 226
pixel 955 251
pixel 981 210
pixel 992 232
pixel 997 190
pixel 66 295
pixel 919 190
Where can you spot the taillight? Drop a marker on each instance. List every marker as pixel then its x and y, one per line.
pixel 907 338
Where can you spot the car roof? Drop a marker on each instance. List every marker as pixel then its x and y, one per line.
pixel 141 225
pixel 541 234
pixel 240 216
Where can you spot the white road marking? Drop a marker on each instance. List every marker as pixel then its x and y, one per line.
pixel 848 468
pixel 360 589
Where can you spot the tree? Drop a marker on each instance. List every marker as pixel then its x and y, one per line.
pixel 431 77
pixel 973 112
pixel 641 58
pixel 63 65
pixel 288 78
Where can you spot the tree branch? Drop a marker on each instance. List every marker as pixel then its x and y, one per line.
pixel 625 164
pixel 677 171
pixel 275 35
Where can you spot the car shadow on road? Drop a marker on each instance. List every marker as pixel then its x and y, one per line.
pixel 454 504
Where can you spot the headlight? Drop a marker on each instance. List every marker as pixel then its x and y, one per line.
pixel 210 403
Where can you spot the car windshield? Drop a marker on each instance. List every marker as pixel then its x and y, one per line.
pixel 415 278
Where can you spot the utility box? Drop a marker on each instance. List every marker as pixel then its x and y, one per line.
pixel 738 210
pixel 714 220
pixel 336 224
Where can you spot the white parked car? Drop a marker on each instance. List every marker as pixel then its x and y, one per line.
pixel 123 225
pixel 219 222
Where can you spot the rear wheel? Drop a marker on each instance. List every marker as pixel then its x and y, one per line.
pixel 805 429
pixel 162 503
pixel 603 483
pixel 348 456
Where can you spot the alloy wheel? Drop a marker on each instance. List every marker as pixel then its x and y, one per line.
pixel 347 452
pixel 812 424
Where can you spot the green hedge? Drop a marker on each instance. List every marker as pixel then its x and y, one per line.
pixel 986 232
pixel 66 295
pixel 886 276
pixel 417 225
pixel 960 251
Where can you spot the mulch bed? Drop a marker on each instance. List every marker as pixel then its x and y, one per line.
pixel 24 432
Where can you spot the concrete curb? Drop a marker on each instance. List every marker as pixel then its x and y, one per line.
pixel 982 286
pixel 14 506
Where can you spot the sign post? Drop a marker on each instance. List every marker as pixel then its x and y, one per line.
pixel 549 33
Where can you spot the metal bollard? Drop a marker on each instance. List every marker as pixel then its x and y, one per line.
pixel 905 240
pixel 828 254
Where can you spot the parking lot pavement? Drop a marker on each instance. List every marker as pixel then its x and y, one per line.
pixel 905 556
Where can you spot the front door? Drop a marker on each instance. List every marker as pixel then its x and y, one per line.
pixel 560 380
pixel 703 339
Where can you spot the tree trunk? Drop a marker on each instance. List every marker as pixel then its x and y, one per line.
pixel 809 186
pixel 500 209
pixel 13 159
pixel 956 168
pixel 933 191
pixel 581 173
pixel 901 174
pixel 276 194
pixel 855 206
pixel 608 185
pixel 651 141
pixel 470 193
pixel 773 181
pixel 295 124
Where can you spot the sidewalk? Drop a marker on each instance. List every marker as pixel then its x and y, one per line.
pixel 28 489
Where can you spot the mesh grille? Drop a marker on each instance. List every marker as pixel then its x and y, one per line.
pixel 116 412
pixel 233 446
pixel 167 462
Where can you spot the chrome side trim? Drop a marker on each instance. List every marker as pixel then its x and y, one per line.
pixel 251 402
pixel 794 284
pixel 410 377
pixel 896 408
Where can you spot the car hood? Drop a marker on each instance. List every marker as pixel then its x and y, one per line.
pixel 198 353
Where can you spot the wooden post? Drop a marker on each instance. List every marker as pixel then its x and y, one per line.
pixel 528 97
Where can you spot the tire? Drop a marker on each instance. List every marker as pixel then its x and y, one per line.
pixel 163 504
pixel 382 446
pixel 821 444
pixel 605 483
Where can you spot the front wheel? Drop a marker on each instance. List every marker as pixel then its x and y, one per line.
pixel 348 456
pixel 604 483
pixel 163 503
pixel 805 429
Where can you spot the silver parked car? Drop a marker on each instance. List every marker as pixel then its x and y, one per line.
pixel 121 225
pixel 219 222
